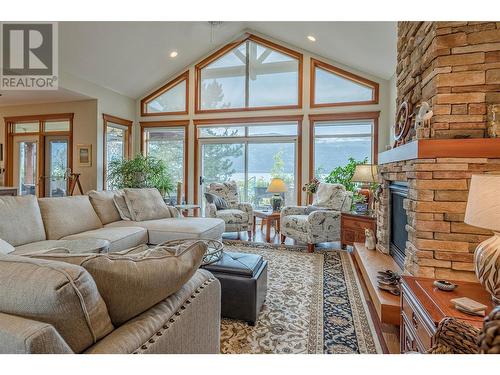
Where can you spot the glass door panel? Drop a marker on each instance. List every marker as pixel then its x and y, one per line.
pixel 56 166
pixel 221 162
pixel 115 147
pixel 265 162
pixel 26 160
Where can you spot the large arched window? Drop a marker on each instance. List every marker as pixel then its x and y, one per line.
pixel 251 74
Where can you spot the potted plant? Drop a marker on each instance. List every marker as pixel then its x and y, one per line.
pixel 140 172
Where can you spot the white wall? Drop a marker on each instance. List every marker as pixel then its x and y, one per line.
pixel 384 107
pixel 108 102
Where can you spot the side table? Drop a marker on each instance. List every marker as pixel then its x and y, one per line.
pixel 269 218
pixel 353 225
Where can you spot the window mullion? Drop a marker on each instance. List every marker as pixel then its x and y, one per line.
pixel 247 75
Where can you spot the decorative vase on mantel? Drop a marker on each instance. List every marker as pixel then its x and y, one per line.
pixel 483 211
pixel 494 121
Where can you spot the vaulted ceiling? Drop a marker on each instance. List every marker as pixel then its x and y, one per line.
pixel 133 57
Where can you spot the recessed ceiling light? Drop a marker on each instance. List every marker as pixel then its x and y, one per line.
pixel 311 38
pixel 173 54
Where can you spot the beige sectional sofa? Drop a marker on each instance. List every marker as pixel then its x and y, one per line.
pixel 30 224
pixel 187 321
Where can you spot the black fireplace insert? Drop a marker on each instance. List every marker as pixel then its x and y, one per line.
pixel 398 220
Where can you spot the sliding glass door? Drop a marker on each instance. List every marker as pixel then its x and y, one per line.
pixel 251 155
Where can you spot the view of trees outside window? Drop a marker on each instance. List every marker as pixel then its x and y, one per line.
pixel 336 141
pixel 115 145
pixel 251 160
pixel 27 167
pixel 167 144
pixel 250 75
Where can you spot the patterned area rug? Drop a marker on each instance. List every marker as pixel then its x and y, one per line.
pixel 314 305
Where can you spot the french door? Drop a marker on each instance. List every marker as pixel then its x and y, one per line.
pixel 26 161
pixel 56 166
pixel 251 163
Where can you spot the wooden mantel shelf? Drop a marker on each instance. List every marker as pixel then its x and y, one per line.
pixel 443 148
pixel 370 262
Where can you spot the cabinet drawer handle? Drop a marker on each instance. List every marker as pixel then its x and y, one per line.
pixel 414 320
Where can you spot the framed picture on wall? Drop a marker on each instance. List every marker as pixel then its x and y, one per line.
pixel 84 153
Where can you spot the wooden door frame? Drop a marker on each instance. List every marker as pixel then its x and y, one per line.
pixel 128 140
pixel 170 124
pixel 250 120
pixel 41 119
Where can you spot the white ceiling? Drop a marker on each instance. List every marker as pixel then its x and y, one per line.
pixel 133 57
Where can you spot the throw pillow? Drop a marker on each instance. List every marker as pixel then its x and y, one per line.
pixel 104 206
pixel 121 206
pixel 132 283
pixel 219 202
pixel 5 247
pixel 148 204
pixel 67 299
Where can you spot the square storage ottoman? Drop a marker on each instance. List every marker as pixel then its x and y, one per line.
pixel 243 279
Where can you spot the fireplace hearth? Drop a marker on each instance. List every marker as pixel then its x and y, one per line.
pixel 398 220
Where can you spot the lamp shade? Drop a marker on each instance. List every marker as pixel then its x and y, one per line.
pixel 277 185
pixel 365 173
pixel 483 204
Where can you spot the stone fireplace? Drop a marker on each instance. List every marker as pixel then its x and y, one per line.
pixel 398 235
pixel 455 67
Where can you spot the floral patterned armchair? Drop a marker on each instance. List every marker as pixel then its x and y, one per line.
pixel 319 222
pixel 239 216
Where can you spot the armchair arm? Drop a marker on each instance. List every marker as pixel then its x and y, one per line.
pixel 247 207
pixel 324 225
pixel 293 210
pixel 210 210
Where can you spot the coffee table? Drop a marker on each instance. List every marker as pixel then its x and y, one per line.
pixel 269 218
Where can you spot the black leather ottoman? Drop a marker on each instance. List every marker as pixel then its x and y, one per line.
pixel 243 279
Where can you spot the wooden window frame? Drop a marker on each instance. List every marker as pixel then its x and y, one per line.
pixel 128 140
pixel 41 119
pixel 174 82
pixel 245 120
pixel 228 47
pixel 374 116
pixel 170 124
pixel 344 74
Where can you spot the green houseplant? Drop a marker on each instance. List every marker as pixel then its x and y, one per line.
pixel 140 172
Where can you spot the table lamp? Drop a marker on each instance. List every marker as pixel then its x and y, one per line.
pixel 366 174
pixel 277 186
pixel 483 211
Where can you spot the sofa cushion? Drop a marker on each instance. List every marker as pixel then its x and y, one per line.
pixel 38 246
pixel 20 220
pixel 220 203
pixel 132 283
pixel 226 190
pixel 148 204
pixel 121 238
pixel 104 205
pixel 57 293
pixel 163 230
pixel 68 215
pixel 121 205
pixel 6 248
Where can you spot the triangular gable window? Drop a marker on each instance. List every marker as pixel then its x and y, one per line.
pixel 332 86
pixel 249 74
pixel 169 99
